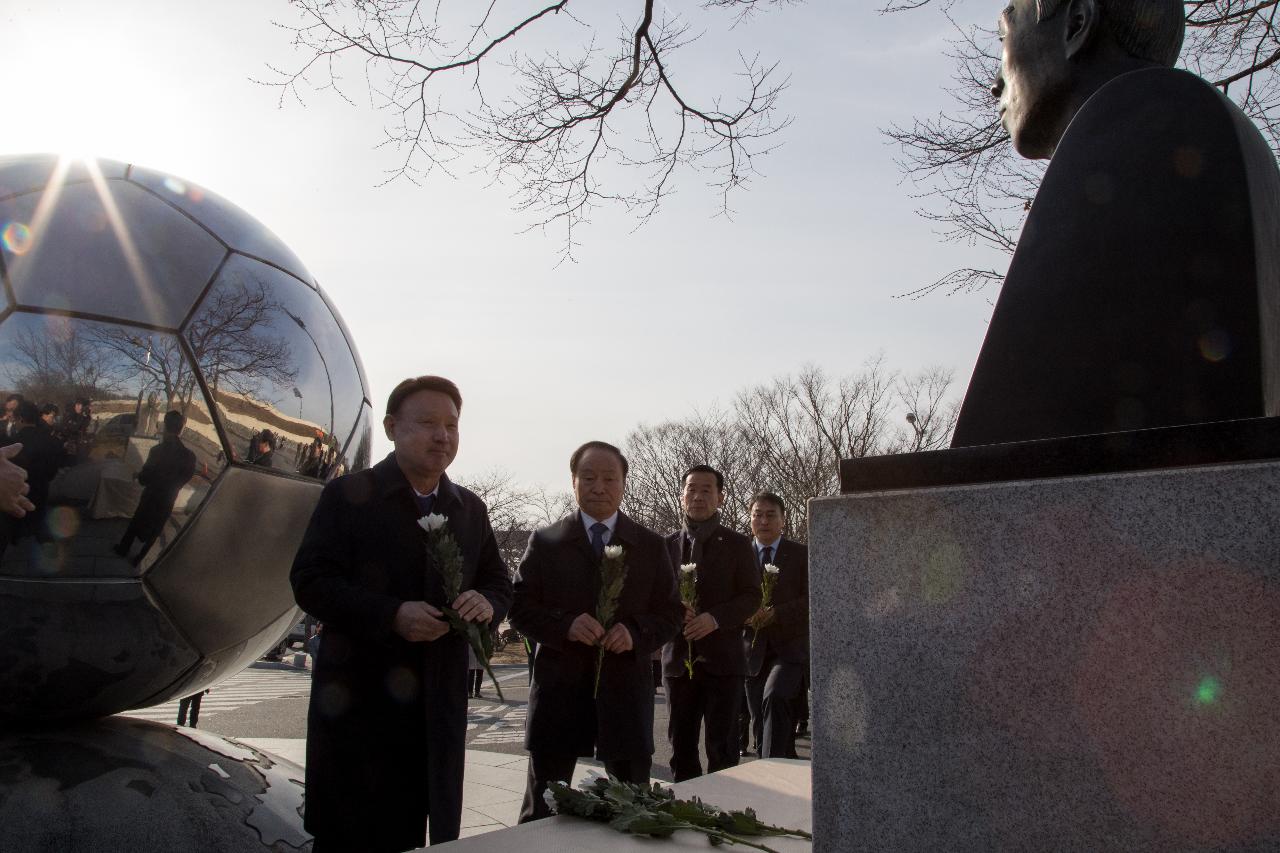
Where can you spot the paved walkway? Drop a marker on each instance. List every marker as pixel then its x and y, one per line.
pixel 491 793
pixel 259 683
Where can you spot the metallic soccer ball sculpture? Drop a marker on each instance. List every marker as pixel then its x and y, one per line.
pixel 128 294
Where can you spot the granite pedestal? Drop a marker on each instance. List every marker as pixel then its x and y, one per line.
pixel 777 788
pixel 1084 662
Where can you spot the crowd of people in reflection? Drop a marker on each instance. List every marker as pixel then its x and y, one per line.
pixel 320 458
pixel 51 440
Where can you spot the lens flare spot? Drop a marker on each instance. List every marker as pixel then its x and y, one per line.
pixel 175 186
pixel 16 238
pixel 56 327
pixel 64 522
pixel 1208 690
pixel 1215 345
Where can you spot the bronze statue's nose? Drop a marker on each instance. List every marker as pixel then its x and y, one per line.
pixel 997 85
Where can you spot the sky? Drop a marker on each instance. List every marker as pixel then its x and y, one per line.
pixel 645 324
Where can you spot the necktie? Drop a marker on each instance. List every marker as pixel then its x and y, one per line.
pixel 597 538
pixel 766 555
pixel 425 503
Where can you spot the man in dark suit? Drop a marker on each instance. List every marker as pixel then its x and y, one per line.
pixel 728 593
pixel 386 727
pixel 777 662
pixel 169 466
pixel 9 421
pixel 556 591
pixel 42 455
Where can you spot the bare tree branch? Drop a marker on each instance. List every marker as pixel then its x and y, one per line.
pixel 788 436
pixel 562 118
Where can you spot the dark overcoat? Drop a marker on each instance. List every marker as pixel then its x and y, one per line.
pixel 787 636
pixel 387 721
pixel 728 589
pixel 169 466
pixel 559 579
pixel 41 457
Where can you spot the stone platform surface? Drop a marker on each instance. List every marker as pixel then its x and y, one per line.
pixel 778 789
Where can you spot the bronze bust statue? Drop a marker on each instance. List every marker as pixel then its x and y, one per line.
pixel 1145 289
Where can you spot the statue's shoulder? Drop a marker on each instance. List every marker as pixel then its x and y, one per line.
pixel 1152 102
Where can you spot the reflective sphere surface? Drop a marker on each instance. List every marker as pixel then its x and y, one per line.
pixel 122 784
pixel 157 560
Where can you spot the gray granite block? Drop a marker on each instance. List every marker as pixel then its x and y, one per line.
pixel 1084 663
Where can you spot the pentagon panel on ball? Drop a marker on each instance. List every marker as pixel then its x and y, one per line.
pixel 181 389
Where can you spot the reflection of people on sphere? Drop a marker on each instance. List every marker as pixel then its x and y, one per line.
pixel 41 456
pixel 311 458
pixel 262 449
pixel 75 428
pixel 191 705
pixel 386 728
pixel 10 416
pixel 728 592
pixel 168 467
pixel 555 607
pixel 13 484
pixel 49 414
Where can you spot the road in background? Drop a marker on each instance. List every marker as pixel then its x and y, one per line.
pixel 269 700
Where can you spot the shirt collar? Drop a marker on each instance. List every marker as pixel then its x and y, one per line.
pixel 611 522
pixel 760 546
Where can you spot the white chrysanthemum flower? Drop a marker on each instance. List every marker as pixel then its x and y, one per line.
pixel 613 552
pixel 689 568
pixel 432 522
pixel 549 798
pixel 771 568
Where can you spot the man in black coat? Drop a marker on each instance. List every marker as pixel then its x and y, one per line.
pixel 778 651
pixel 556 592
pixel 42 455
pixel 386 727
pixel 169 466
pixel 728 593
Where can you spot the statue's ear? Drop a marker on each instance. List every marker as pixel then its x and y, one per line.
pixel 1082 23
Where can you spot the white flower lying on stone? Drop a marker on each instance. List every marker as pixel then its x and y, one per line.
pixel 689 568
pixel 771 568
pixel 432 522
pixel 612 552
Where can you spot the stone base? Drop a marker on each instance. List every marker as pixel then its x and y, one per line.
pixel 777 788
pixel 1074 663
pixel 121 785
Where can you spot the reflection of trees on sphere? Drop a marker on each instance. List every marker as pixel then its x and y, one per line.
pixel 157 560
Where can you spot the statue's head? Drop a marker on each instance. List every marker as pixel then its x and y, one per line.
pixel 1055 53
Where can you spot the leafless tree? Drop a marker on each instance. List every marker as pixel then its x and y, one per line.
pixel 154 358
pixel 788 436
pixel 659 455
pixel 508 504
pixel 931 416
pixel 547 506
pixel 233 341
pixel 61 363
pixel 602 94
pixel 976 190
pixel 506 499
